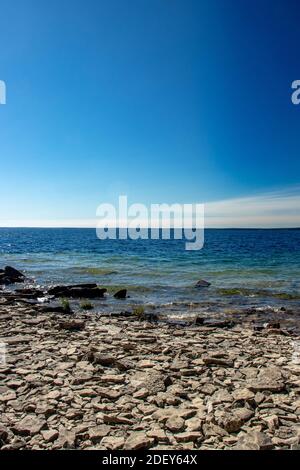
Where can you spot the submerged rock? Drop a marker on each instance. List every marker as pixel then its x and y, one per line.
pixel 202 283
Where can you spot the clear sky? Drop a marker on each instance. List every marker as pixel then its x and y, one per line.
pixel 162 100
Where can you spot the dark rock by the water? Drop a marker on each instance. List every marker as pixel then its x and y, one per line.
pixel 56 291
pixel 90 291
pixel 121 294
pixel 13 274
pixel 219 323
pixel 4 281
pixel 10 275
pixel 30 293
pixel 202 283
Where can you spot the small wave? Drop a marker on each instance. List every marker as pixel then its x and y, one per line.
pixel 95 271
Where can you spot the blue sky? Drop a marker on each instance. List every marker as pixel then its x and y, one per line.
pixel 161 100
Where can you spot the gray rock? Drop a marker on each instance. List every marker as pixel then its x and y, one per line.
pixel 137 441
pixel 202 283
pixel 29 426
pixel 254 440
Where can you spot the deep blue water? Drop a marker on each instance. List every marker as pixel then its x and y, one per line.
pixel 245 267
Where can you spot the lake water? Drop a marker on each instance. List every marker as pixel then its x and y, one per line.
pixel 245 267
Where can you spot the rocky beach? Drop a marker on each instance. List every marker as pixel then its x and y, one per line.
pixel 84 380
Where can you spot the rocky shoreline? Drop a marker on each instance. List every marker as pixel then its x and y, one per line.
pixel 88 381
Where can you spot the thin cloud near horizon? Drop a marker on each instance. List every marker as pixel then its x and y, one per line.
pixel 276 209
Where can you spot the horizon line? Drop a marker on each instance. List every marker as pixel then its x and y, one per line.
pixel 149 228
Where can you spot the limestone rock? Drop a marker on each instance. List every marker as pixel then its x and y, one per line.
pixel 254 440
pixel 137 441
pixel 29 426
pixel 175 424
pixel 50 435
pixel 112 442
pixel 98 432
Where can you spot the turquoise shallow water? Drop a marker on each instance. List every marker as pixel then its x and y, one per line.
pixel 245 267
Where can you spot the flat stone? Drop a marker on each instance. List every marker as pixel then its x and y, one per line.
pixel 188 436
pixel 243 394
pixel 112 442
pixel 66 439
pixel 215 361
pixel 53 395
pixel 254 440
pixel 221 396
pixel 98 432
pixel 29 426
pixel 263 386
pixel 8 396
pixel 115 379
pixel 115 419
pixel 142 393
pixel 88 392
pixel 153 381
pixel 268 379
pixel 50 436
pixel 233 421
pixel 175 424
pixel 158 435
pixel 137 441
pixel 109 393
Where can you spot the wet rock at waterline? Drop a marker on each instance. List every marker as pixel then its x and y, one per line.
pixel 121 294
pixel 202 283
pixel 88 291
pixel 10 275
